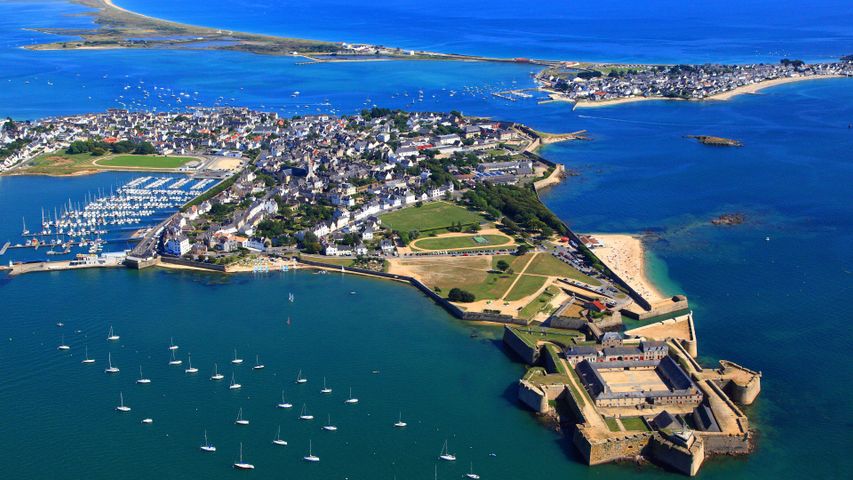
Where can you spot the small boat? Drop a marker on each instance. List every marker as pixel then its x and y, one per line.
pixel 328 426
pixel 190 368
pixel 241 465
pixel 216 375
pixel 147 421
pixel 62 345
pixel 300 378
pixel 175 361
pixel 240 420
pixel 60 324
pixel 234 385
pixel 400 423
pixel 445 455
pixel 142 380
pixel 172 345
pixel 284 403
pixel 351 399
pixel 258 364
pixel 121 406
pixel 325 389
pixel 310 457
pixel 207 446
pixel 471 473
pixel 304 415
pixel 236 361
pixel 111 336
pixel 110 368
pixel 86 358
pixel 278 440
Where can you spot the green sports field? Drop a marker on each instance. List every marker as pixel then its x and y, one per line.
pixel 459 242
pixel 145 161
pixel 430 217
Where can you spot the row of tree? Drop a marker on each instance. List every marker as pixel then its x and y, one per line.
pixel 520 206
pixel 100 147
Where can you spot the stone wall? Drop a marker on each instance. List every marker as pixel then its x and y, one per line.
pixel 530 355
pixel 608 450
pixel 679 458
pixel 725 444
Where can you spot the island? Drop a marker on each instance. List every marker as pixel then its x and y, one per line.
pixel 446 203
pixel 716 141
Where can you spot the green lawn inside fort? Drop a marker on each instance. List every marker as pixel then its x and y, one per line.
pixel 541 303
pixel 525 286
pixel 547 264
pixel 144 161
pixel 459 242
pixel 432 217
pixel 634 424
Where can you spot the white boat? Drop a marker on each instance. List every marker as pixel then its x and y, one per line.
pixel 325 389
pixel 241 465
pixel 216 375
pixel 190 368
pixel 142 380
pixel 351 399
pixel 172 345
pixel 400 423
pixel 62 345
pixel 328 426
pixel 236 361
pixel 175 361
pixel 300 378
pixel 110 368
pixel 121 406
pixel 60 324
pixel 310 457
pixel 445 455
pixel 86 359
pixel 234 385
pixel 258 364
pixel 240 420
pixel 471 473
pixel 278 440
pixel 147 421
pixel 207 446
pixel 284 403
pixel 304 415
pixel 111 336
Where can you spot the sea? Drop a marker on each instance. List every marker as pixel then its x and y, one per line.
pixel 771 294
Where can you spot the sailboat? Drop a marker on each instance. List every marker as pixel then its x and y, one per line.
pixel 328 426
pixel 471 473
pixel 240 420
pixel 236 361
pixel 111 336
pixel 62 345
pixel 121 406
pixel 175 361
pixel 147 421
pixel 207 446
pixel 258 364
pixel 284 403
pixel 278 440
pixel 290 297
pixel 24 232
pixel 445 455
pixel 234 385
pixel 172 345
pixel 241 465
pixel 190 368
pixel 400 423
pixel 216 375
pixel 304 415
pixel 142 380
pixel 325 389
pixel 310 457
pixel 351 399
pixel 86 359
pixel 300 378
pixel 110 368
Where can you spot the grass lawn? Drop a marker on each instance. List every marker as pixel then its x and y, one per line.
pixel 634 424
pixel 559 336
pixel 539 304
pixel 430 217
pixel 60 163
pixel 547 264
pixel 346 262
pixel 516 263
pixel 493 288
pixel 458 242
pixel 145 161
pixel 611 424
pixel 526 285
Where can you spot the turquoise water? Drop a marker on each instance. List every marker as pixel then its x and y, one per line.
pixel 765 304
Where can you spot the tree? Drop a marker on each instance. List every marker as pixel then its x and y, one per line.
pixel 459 295
pixel 522 249
pixel 502 265
pixel 310 243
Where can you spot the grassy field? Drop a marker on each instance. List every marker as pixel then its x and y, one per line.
pixel 634 424
pixel 547 264
pixel 145 161
pixel 460 242
pixel 526 285
pixel 611 424
pixel 539 304
pixel 431 217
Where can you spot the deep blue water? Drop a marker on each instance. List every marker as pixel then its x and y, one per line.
pixel 779 306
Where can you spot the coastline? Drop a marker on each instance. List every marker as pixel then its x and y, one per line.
pixel 625 255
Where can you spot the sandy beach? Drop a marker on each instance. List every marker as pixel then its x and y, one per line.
pixel 625 255
pixel 767 84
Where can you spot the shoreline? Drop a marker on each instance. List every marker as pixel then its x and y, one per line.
pixel 625 255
